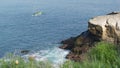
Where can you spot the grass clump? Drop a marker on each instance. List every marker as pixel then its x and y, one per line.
pixel 104 52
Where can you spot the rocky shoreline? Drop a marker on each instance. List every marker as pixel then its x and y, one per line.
pixel 100 28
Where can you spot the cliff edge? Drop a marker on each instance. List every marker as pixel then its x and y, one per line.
pixel 100 28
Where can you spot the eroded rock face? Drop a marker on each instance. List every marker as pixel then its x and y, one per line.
pixel 100 28
pixel 107 27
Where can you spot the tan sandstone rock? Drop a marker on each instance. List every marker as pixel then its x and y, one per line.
pixel 106 27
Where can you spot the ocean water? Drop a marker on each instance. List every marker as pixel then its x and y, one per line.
pixel 61 19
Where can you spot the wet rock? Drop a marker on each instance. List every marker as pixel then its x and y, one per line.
pixel 25 51
pixel 68 43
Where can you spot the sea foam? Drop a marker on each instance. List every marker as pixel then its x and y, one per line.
pixel 54 55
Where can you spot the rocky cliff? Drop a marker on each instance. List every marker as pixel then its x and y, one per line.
pixel 100 28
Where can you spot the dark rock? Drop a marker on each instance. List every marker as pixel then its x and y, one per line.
pixel 25 51
pixel 112 13
pixel 68 43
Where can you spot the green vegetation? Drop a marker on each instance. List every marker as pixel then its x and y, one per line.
pixel 103 55
pixel 11 61
pixel 104 52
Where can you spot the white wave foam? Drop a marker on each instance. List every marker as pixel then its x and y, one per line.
pixel 55 55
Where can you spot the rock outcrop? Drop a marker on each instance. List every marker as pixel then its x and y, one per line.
pixel 106 27
pixel 100 28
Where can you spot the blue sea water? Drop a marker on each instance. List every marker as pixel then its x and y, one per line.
pixel 61 19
